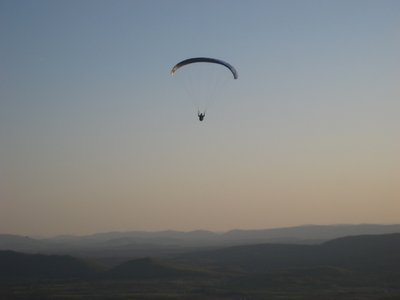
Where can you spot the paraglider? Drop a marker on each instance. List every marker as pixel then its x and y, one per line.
pixel 202 87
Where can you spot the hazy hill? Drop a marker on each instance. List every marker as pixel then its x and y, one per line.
pixel 19 243
pixel 17 265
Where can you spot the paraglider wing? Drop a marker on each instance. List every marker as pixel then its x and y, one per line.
pixel 206 60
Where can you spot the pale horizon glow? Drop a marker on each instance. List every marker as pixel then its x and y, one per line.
pixel 97 136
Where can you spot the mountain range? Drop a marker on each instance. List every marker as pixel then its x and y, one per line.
pixel 170 243
pixel 366 254
pixel 354 267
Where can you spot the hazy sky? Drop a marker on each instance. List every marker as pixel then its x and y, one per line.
pixel 95 135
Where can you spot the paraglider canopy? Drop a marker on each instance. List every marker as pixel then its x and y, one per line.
pixel 206 60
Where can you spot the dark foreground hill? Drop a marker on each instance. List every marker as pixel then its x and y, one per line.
pixel 369 253
pixel 19 265
pixel 14 265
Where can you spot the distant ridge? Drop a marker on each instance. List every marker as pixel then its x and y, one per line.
pixel 310 233
pixel 135 244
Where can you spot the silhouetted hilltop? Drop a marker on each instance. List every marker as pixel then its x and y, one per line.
pixel 17 265
pixel 372 242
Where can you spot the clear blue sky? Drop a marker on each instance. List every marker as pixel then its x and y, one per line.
pixel 95 135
